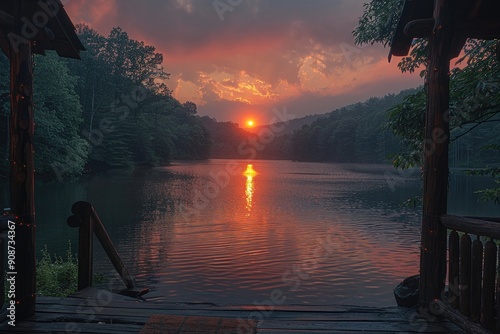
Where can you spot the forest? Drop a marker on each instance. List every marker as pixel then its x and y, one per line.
pixel 111 110
pixel 114 110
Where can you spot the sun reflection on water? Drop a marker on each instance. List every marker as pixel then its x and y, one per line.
pixel 250 173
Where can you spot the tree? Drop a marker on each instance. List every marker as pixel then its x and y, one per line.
pixel 121 83
pixel 474 86
pixel 58 115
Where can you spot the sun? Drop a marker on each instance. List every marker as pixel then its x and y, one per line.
pixel 250 123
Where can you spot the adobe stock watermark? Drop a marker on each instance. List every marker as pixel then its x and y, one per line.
pixel 31 27
pixel 294 277
pixel 119 111
pixel 224 6
pixel 248 150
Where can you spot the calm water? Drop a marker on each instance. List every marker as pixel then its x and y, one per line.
pixel 230 232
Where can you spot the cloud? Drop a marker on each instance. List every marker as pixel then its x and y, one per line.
pixel 263 52
pixel 186 5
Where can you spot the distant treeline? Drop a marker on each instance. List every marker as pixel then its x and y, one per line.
pixel 356 133
pixel 108 111
pixel 362 133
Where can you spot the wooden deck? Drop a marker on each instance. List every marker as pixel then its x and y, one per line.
pixel 98 311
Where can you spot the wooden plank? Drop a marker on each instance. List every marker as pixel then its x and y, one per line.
pixel 361 326
pixel 293 319
pixel 72 327
pixel 141 315
pixel 472 226
pixel 159 323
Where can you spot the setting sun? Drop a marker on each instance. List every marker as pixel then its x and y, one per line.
pixel 250 123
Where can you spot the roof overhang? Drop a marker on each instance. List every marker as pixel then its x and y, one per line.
pixel 477 19
pixel 45 23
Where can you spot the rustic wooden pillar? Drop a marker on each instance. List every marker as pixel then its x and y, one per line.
pixel 435 169
pixel 86 253
pixel 22 201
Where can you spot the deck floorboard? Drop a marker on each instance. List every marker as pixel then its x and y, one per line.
pixel 96 311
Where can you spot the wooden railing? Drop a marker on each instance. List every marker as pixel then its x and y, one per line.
pixel 473 295
pixel 86 219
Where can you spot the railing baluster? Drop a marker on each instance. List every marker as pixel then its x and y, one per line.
pixel 488 306
pixel 453 273
pixel 478 288
pixel 465 274
pixel 476 278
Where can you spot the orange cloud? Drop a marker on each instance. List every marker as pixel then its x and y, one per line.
pixel 97 15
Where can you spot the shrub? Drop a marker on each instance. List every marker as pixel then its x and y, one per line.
pixel 57 277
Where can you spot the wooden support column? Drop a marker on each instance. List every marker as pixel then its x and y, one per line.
pixel 435 169
pixel 22 201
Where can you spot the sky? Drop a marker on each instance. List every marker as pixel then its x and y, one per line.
pixel 242 59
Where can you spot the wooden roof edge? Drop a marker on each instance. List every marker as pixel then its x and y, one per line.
pixel 416 21
pixel 64 20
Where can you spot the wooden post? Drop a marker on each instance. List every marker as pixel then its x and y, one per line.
pixel 83 211
pixel 22 201
pixel 435 169
pixel 85 253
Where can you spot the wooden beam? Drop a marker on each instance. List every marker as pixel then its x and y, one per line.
pixel 419 28
pixel 478 29
pixel 435 168
pixel 22 200
pixel 476 226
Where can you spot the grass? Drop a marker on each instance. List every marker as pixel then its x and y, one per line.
pixel 55 276
pixel 58 277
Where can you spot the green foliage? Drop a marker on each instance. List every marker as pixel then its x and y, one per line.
pixel 55 276
pixel 143 124
pixel 351 134
pixel 58 117
pixel 110 110
pixel 474 94
pixel 378 22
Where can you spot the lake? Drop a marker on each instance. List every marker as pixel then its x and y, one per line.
pixel 237 232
